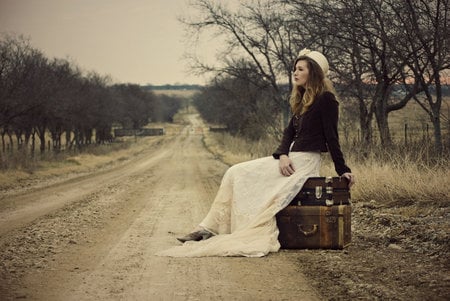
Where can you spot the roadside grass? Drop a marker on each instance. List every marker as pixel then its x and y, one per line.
pixel 397 177
pixel 19 168
pixel 231 150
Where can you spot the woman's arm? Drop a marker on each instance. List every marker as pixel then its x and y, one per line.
pixel 282 152
pixel 288 136
pixel 329 111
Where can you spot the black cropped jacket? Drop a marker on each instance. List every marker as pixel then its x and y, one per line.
pixel 315 131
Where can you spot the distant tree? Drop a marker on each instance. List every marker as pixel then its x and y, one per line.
pixel 244 107
pixel 134 106
pixel 66 83
pixel 165 107
pixel 256 33
pixel 41 96
pixel 19 67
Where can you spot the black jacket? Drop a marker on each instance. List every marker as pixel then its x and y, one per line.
pixel 315 131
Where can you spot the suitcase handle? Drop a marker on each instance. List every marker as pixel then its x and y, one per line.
pixel 308 232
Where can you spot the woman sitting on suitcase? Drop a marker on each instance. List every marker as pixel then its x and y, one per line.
pixel 241 221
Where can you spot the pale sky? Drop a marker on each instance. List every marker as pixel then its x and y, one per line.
pixel 133 41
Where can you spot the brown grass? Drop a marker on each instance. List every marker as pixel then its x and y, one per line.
pixel 418 121
pixel 96 157
pixel 232 150
pixel 391 180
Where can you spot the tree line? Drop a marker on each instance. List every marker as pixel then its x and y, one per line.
pixel 382 53
pixel 41 96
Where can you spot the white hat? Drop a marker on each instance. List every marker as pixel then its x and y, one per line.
pixel 316 56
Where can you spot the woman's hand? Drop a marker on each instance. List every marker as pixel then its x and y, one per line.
pixel 350 177
pixel 286 166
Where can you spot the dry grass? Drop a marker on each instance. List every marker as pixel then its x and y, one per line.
pixel 232 150
pixel 418 121
pixel 59 166
pixel 399 183
pixel 18 169
pixel 395 180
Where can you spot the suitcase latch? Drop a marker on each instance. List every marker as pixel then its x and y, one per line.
pixel 318 192
pixel 329 201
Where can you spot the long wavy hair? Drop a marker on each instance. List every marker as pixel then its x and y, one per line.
pixel 303 97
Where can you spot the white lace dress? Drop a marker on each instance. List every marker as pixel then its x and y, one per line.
pixel 243 212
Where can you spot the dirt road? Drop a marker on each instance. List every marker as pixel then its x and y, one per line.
pixel 94 237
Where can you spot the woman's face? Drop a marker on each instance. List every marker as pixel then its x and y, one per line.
pixel 301 73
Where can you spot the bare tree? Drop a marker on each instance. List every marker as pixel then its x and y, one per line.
pixel 63 82
pixel 134 107
pixel 426 49
pixel 373 46
pixel 41 96
pixel 365 42
pixel 258 34
pixel 21 79
pixel 244 107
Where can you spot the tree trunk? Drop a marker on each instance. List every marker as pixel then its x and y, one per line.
pixel 10 140
pixel 19 139
pixel 435 114
pixel 381 114
pixel 365 123
pixel 3 142
pixel 77 138
pixel 27 137
pixel 42 142
pixel 88 133
pixel 41 135
pixel 366 130
pixel 33 142
pixel 383 126
pixel 68 132
pixel 437 135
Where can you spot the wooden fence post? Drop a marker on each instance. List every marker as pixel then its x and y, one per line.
pixel 406 134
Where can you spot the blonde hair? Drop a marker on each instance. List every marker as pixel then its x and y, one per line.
pixel 302 98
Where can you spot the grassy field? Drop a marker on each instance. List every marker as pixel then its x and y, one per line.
pixel 411 121
pixel 393 179
pixel 418 122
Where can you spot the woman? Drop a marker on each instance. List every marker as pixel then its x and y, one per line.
pixel 241 221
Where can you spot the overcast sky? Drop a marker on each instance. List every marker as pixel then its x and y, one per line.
pixel 133 41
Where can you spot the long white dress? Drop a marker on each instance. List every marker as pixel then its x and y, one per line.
pixel 243 212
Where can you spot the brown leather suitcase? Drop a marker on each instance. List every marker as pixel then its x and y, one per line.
pixel 314 227
pixel 323 191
